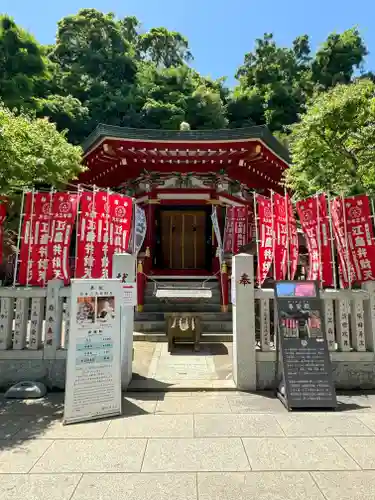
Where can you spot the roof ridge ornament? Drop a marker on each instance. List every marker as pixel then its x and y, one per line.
pixel 185 126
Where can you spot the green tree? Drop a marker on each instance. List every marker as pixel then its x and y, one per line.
pixel 22 64
pixel 32 151
pixel 333 145
pixel 67 112
pixel 97 65
pixel 271 84
pixel 164 48
pixel 276 82
pixel 337 59
pixel 169 96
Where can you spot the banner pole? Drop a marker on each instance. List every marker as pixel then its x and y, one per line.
pixel 79 192
pixel 19 239
pixel 286 206
pixel 256 237
pixel 93 221
pixel 273 237
pixel 319 241
pixel 49 235
pixel 348 263
pixel 134 211
pixel 105 273
pixel 332 244
pixel 31 236
pixel 373 213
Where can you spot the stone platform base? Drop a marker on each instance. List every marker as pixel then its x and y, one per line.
pixel 153 369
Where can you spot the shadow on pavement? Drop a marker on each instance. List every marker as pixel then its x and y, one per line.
pixel 25 420
pixel 22 420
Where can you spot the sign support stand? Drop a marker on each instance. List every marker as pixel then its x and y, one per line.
pixel 307 380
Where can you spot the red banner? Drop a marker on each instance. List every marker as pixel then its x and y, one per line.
pixel 292 239
pixel 45 240
pixel 281 234
pixel 236 233
pixel 3 214
pixel 34 239
pixel 360 236
pixel 347 269
pixel 312 213
pixel 63 217
pixel 104 228
pixel 265 251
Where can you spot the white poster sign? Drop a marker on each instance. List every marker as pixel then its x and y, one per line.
pixel 140 228
pixel 215 224
pixel 93 373
pixel 129 289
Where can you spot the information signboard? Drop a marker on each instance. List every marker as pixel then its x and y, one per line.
pixel 307 370
pixel 93 373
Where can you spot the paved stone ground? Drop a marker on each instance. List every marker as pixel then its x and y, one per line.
pixel 154 368
pixel 189 446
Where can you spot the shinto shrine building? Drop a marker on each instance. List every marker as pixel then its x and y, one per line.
pixel 177 176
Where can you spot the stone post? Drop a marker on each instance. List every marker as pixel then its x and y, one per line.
pixel 369 315
pixel 124 269
pixel 243 300
pixel 224 287
pixel 53 324
pixel 140 286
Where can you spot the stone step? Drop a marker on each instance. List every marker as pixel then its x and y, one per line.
pixel 184 307
pixel 183 283
pixel 151 288
pixel 205 316
pixel 159 326
pixel 161 337
pixel 154 300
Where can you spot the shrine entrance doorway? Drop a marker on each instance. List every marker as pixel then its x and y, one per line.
pixel 184 239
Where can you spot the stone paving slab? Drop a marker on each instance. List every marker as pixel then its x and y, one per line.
pixel 242 425
pixel 298 454
pixel 346 485
pixel 362 449
pixel 9 427
pixel 194 404
pixel 38 486
pixel 258 485
pixel 18 457
pixel 190 446
pixel 151 426
pixel 53 405
pixel 368 419
pixel 323 424
pixel 185 455
pixel 255 403
pixel 94 455
pixel 136 487
pixel 56 430
pixel 155 368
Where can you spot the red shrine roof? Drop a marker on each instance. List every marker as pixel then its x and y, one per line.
pixel 251 156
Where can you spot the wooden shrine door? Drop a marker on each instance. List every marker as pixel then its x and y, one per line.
pixel 183 239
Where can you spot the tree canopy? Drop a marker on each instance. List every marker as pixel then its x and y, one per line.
pixel 333 144
pixel 32 151
pixel 102 69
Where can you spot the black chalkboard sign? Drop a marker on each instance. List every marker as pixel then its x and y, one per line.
pixel 307 380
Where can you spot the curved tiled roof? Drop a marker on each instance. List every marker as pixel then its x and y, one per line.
pixel 241 134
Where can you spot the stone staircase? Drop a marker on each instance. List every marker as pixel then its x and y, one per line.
pixel 150 324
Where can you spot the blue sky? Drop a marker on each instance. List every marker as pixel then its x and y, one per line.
pixel 220 32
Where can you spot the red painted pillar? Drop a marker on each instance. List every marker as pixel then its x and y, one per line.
pixel 224 287
pixel 141 282
pixel 149 238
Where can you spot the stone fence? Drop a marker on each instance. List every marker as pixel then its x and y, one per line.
pixel 35 324
pixel 349 317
